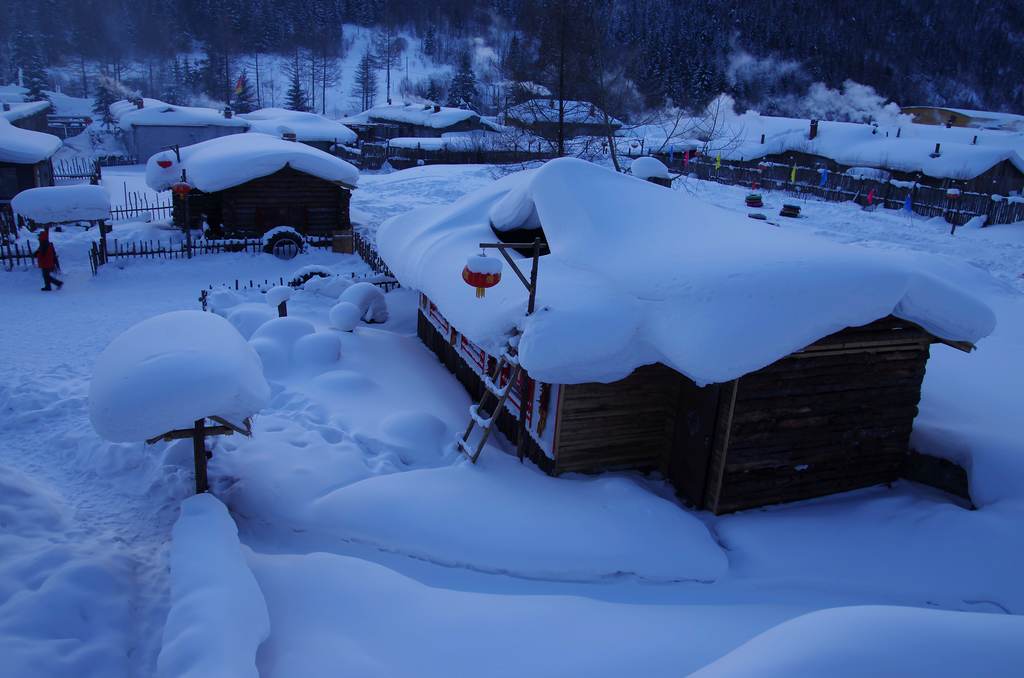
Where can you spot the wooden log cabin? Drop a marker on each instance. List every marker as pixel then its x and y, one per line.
pixel 832 415
pixel 244 185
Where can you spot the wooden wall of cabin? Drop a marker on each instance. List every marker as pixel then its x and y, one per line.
pixel 286 198
pixel 834 417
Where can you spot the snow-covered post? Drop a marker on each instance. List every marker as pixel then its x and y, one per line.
pixel 279 296
pixel 182 189
pixel 164 377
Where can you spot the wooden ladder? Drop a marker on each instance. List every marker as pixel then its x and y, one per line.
pixel 478 413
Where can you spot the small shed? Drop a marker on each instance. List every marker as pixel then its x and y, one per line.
pixel 25 159
pixel 30 115
pixel 244 185
pixel 150 125
pixel 748 364
pixel 417 120
pixel 307 128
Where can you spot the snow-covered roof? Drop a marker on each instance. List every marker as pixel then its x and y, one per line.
pixel 856 144
pixel 156 112
pixel 423 115
pixel 58 204
pixel 452 141
pixel 237 158
pixel 25 146
pixel 983 119
pixel 24 109
pixel 638 274
pixel 170 370
pixel 305 126
pixel 546 110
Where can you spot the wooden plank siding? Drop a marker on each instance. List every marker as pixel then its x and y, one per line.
pixel 288 197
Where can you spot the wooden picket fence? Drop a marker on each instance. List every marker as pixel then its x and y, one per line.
pixel 957 207
pixel 365 249
pixel 76 170
pixel 138 205
pixel 17 256
pixel 159 249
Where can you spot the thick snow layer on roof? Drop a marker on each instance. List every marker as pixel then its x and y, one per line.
pixel 25 146
pixel 638 274
pixel 453 141
pixel 228 161
pixel 546 110
pixel 170 370
pixel 306 126
pixel 880 640
pixel 156 112
pixel 415 114
pixel 55 204
pixel 964 153
pixel 647 167
pixel 24 109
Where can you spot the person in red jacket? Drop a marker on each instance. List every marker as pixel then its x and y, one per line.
pixel 46 259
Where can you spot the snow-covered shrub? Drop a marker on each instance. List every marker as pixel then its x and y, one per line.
pixel 309 273
pixel 369 299
pixel 345 316
pixel 222 300
pixel 275 340
pixel 317 351
pixel 247 318
pixel 170 370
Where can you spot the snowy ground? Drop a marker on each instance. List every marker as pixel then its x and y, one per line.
pixel 379 552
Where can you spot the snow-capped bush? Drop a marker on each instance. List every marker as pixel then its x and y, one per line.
pixel 222 300
pixel 345 316
pixel 369 299
pixel 247 318
pixel 275 340
pixel 275 296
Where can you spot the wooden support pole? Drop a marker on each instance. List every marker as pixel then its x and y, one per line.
pixel 282 309
pixel 199 451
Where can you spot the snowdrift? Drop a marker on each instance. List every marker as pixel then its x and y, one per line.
pixel 638 274
pixel 218 616
pixel 235 159
pixel 55 204
pixel 168 371
pixel 25 146
pixel 881 641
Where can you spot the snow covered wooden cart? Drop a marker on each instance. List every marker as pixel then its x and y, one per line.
pixel 248 184
pixel 750 365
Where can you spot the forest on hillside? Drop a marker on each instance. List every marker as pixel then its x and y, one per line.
pixel 627 54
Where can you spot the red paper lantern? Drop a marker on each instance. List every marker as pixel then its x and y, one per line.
pixel 481 272
pixel 181 188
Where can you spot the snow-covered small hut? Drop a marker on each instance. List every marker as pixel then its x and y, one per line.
pixel 30 115
pixel 49 205
pixel 246 184
pixel 150 125
pixel 414 120
pixel 750 364
pixel 25 159
pixel 307 128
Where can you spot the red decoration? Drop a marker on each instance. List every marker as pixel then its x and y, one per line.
pixel 164 164
pixel 481 272
pixel 181 188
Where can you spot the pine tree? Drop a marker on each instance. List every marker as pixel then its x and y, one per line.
pixel 244 100
pixel 27 55
pixel 463 91
pixel 364 82
pixel 107 92
pixel 430 42
pixel 434 91
pixel 295 98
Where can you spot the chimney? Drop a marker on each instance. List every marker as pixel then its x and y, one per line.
pixel 228 113
pixel 762 137
pixel 437 108
pixel 974 141
pixel 139 103
pixel 289 136
pixel 937 152
pixel 813 133
pixel 898 130
pixel 7 106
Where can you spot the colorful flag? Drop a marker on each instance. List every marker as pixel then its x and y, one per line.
pixel 792 174
pixel 871 197
pixel 240 84
pixel 824 177
pixel 718 161
pixel 686 159
pixel 908 204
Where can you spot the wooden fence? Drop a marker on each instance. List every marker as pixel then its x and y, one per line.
pixel 956 206
pixel 402 158
pixel 76 170
pixel 140 205
pixel 365 249
pixel 159 249
pixel 17 255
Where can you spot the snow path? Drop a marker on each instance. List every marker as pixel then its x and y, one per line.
pixel 117 503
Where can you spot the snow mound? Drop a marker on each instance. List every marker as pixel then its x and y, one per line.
pixel 232 160
pixel 170 370
pixel 640 275
pixel 56 204
pixel 275 340
pixel 423 115
pixel 879 640
pixel 158 113
pixel 249 317
pixel 522 522
pixel 649 168
pixel 23 146
pixel 369 299
pixel 218 617
pixel 317 351
pixel 275 296
pixel 221 300
pixel 345 316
